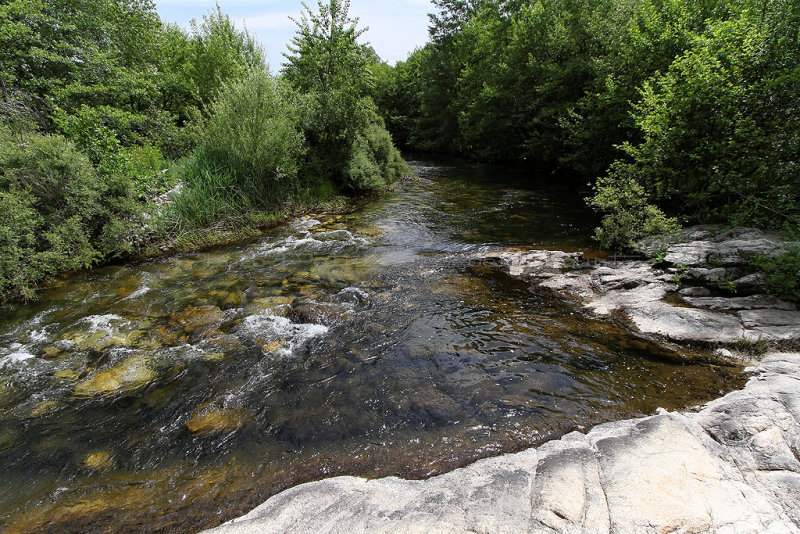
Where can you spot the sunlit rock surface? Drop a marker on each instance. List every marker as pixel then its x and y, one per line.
pixel 731 467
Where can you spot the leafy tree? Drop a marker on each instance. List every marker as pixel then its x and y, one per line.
pixel 326 62
pixel 720 128
pixel 221 53
pixel 324 56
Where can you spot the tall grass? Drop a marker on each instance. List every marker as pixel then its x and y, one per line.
pixel 250 154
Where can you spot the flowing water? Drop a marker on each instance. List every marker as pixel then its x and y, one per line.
pixel 173 394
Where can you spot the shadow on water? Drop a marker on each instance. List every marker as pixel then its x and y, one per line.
pixel 173 394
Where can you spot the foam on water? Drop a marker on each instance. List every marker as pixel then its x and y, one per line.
pixel 16 358
pixel 323 243
pixel 102 322
pixel 291 335
pixel 138 293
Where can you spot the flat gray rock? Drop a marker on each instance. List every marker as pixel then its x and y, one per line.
pixel 732 467
pixel 752 302
pixel 685 324
pixel 735 247
pixel 763 318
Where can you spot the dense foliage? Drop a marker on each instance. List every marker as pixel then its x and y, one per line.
pixel 782 273
pixel 665 106
pixel 103 108
pixel 57 212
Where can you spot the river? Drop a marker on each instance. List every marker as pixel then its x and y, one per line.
pixel 173 394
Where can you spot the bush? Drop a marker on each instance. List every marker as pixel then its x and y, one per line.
pixel 57 213
pixel 250 154
pixel 783 274
pixel 374 161
pixel 143 164
pixel 628 216
pixel 255 130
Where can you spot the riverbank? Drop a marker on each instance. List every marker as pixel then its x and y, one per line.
pixel 731 466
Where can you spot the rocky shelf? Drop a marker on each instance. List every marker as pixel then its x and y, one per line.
pixel 687 297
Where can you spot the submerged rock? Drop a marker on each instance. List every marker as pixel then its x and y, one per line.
pixel 97 461
pixel 309 312
pixel 194 317
pixel 45 408
pixel 209 421
pixel 127 376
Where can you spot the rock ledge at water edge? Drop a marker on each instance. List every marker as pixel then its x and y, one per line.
pixel 690 301
pixel 732 467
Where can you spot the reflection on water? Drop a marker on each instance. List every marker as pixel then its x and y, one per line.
pixel 171 395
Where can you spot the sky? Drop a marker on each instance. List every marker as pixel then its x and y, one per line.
pixel 396 27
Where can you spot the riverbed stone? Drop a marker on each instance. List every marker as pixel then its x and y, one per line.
pixel 98 460
pixel 210 421
pixel 194 317
pixel 730 467
pixel 126 376
pixel 310 312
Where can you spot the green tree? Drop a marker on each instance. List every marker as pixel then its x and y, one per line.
pixel 326 62
pixel 222 53
pixel 720 127
pixel 324 56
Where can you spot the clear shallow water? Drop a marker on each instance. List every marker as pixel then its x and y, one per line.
pixel 173 394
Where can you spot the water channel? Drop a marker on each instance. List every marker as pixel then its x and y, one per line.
pixel 173 394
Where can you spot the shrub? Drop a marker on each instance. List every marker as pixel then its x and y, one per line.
pixel 57 213
pixel 250 153
pixel 18 224
pixel 143 164
pixel 783 274
pixel 628 216
pixel 374 161
pixel 255 133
